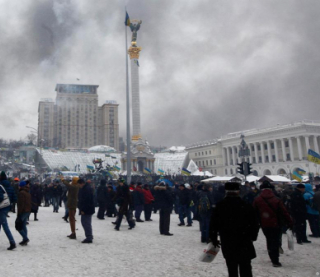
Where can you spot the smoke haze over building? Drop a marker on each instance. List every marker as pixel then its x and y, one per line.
pixel 206 67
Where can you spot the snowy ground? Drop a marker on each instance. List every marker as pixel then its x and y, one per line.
pixel 138 252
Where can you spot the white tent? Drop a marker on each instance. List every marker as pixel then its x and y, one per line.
pixel 252 178
pixel 221 179
pixel 194 169
pixel 275 178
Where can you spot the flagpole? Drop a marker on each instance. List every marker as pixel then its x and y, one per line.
pixel 128 111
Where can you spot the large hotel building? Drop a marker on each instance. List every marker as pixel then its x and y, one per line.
pixel 75 121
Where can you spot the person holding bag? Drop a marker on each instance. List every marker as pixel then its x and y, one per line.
pixel 272 215
pixel 24 210
pixel 7 196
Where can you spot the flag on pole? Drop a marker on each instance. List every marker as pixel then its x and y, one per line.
pixel 313 157
pixel 297 176
pixel 146 170
pixel 185 171
pixel 160 171
pixel 127 20
pixel 109 174
pixel 90 167
pixel 116 168
pixel 300 171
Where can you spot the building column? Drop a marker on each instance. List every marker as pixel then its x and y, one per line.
pixel 233 155
pixel 256 152
pixel 307 144
pixel 315 143
pixel 269 151
pixel 262 151
pixel 224 156
pixel 291 150
pixel 228 157
pixel 238 158
pixel 276 150
pixel 250 157
pixel 284 155
pixel 299 148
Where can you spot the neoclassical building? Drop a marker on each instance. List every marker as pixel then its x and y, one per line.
pixel 277 150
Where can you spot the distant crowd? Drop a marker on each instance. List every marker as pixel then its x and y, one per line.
pixel 229 215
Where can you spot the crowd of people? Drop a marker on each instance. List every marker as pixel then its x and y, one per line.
pixel 229 215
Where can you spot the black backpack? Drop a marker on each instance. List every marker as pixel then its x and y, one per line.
pixel 204 204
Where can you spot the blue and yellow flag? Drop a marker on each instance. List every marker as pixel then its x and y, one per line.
pixel 160 171
pixel 185 171
pixel 146 170
pixel 116 168
pixel 127 20
pixel 300 171
pixel 296 176
pixel 313 157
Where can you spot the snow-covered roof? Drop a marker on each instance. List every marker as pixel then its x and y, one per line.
pixel 275 178
pixel 171 163
pixel 101 148
pixel 252 178
pixel 57 159
pixel 201 173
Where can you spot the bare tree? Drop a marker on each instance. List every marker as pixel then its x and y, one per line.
pixel 32 139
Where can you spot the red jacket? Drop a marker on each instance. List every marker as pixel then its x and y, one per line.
pixel 270 216
pixel 148 197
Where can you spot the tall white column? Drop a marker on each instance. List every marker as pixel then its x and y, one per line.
pixel 276 150
pixel 256 152
pixel 307 144
pixel 224 156
pixel 291 149
pixel 233 155
pixel 315 143
pixel 228 156
pixel 299 148
pixel 284 155
pixel 250 157
pixel 269 151
pixel 262 152
pixel 238 158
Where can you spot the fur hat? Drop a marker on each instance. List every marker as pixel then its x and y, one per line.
pixel 266 185
pixel 232 186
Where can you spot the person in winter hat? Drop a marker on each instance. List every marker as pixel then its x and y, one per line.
pixel 72 203
pixel 312 211
pixel 236 223
pixel 24 209
pixel 6 188
pixel 270 210
pixel 299 213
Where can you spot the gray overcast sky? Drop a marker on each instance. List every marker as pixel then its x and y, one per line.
pixel 207 68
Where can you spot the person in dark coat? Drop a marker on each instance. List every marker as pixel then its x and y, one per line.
pixel 72 203
pixel 6 188
pixel 124 201
pixel 110 205
pixel 138 200
pixel 236 223
pixel 252 194
pixel 102 192
pixel 24 209
pixel 205 205
pixel 164 202
pixel 86 208
pixel 272 215
pixel 299 214
pixel 184 205
pixel 56 192
pixel 36 197
pixel 15 186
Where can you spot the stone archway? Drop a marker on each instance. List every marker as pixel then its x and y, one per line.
pixel 281 171
pixel 267 172
pixel 255 172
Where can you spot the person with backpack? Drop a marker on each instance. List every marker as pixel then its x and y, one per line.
pixel 272 215
pixel 6 191
pixel 312 211
pixel 205 203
